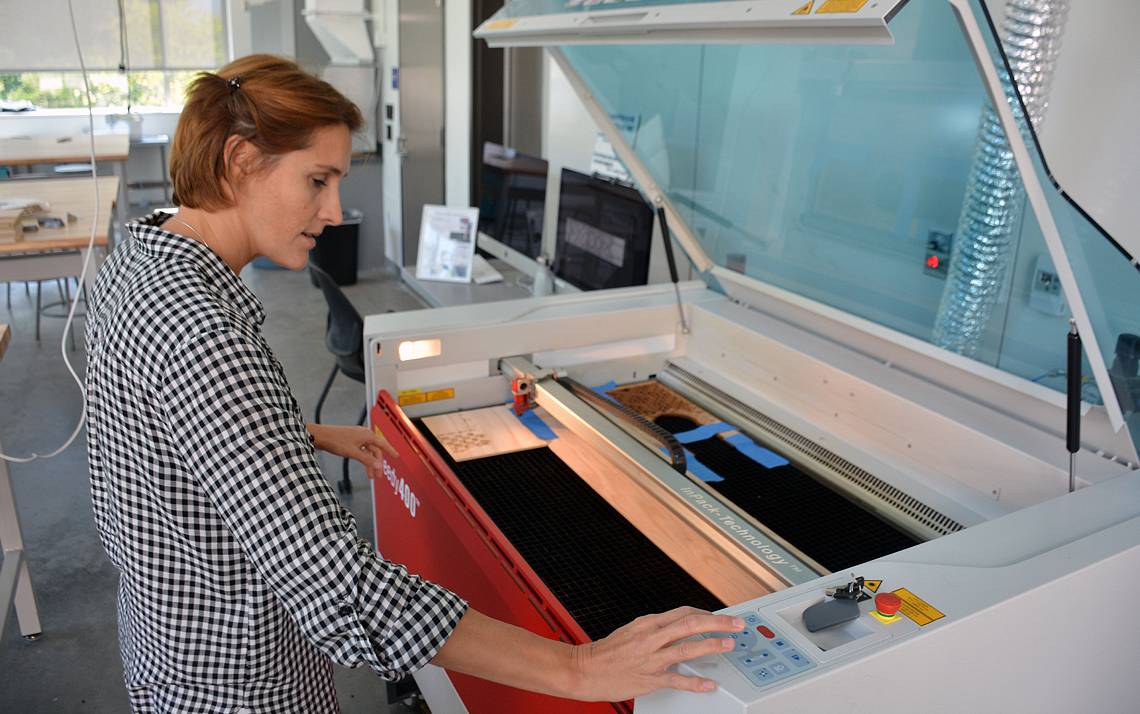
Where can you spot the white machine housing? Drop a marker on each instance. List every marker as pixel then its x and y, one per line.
pixel 1018 580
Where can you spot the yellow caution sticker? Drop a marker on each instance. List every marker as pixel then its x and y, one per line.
pixel 411 396
pixel 835 6
pixel 918 610
pixel 804 9
pixel 873 585
pixel 438 394
pixel 501 24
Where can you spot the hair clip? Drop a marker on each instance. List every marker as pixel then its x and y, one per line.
pixel 234 84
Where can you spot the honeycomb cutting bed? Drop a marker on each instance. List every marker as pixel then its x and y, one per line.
pixel 822 523
pixel 599 566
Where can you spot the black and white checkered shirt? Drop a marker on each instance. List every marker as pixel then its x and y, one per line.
pixel 241 575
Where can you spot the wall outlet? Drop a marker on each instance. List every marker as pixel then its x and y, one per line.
pixel 1045 294
pixel 937 257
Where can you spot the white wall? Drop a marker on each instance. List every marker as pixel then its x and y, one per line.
pixel 457 102
pixel 1090 137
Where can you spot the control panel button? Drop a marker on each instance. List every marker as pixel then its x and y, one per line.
pixel 763 655
pixel 796 658
pixel 887 603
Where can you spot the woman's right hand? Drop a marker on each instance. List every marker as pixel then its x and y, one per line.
pixel 635 659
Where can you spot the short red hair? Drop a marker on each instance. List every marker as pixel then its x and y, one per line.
pixel 266 100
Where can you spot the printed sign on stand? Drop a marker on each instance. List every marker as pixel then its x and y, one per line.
pixel 447 244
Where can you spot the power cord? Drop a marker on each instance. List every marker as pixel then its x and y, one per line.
pixel 86 264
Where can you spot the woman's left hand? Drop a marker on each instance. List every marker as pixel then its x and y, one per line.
pixel 353 442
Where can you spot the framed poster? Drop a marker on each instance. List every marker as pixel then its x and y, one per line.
pixel 447 244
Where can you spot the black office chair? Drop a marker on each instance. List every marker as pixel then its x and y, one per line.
pixel 344 337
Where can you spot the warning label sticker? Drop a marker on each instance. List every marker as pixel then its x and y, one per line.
pixel 501 24
pixel 804 9
pixel 918 610
pixel 835 6
pixel 411 396
pixel 418 396
pixel 873 585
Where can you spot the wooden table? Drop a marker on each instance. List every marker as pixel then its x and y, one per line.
pixel 29 150
pixel 15 582
pixel 59 252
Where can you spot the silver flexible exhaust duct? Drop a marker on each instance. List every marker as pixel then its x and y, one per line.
pixel 1031 36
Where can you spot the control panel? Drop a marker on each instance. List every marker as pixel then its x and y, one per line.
pixel 788 636
pixel 762 653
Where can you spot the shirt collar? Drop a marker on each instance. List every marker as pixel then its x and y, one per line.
pixel 166 245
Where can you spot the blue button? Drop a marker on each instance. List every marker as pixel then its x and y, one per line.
pixel 779 643
pixel 748 661
pixel 796 658
pixel 779 668
pixel 764 654
pixel 764 675
pixel 752 619
pixel 742 645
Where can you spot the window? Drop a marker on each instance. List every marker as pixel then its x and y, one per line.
pixel 166 42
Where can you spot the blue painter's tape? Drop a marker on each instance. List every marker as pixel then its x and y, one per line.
pixel 603 388
pixel 699 470
pixel 536 425
pixel 695 467
pixel 762 456
pixel 701 433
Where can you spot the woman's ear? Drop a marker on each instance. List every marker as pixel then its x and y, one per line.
pixel 237 160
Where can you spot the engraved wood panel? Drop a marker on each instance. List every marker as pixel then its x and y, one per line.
pixel 653 399
pixel 480 433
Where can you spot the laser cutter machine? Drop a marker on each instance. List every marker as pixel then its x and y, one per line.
pixel 850 429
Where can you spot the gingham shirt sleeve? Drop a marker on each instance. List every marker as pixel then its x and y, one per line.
pixel 232 415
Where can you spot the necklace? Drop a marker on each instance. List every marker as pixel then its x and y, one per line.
pixel 200 236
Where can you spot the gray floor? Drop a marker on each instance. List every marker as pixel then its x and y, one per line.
pixel 75 665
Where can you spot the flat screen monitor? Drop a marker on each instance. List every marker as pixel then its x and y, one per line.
pixel 604 233
pixel 512 198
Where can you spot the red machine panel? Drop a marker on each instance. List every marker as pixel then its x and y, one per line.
pixel 426 520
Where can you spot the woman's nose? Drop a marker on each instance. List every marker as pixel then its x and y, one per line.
pixel 330 210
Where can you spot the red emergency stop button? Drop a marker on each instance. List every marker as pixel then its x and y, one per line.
pixel 887 603
pixel 765 631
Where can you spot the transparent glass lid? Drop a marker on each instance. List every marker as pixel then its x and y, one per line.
pixel 877 179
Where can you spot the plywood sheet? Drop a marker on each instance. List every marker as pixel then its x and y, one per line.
pixel 689 545
pixel 480 433
pixel 653 399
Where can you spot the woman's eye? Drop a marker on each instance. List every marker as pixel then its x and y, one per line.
pixel 320 182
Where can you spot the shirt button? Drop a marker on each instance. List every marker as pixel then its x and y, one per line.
pixel 345 610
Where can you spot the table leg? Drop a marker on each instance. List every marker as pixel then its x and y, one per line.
pixel 13 545
pixel 122 205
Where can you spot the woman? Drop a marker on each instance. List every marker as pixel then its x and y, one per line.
pixel 242 577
